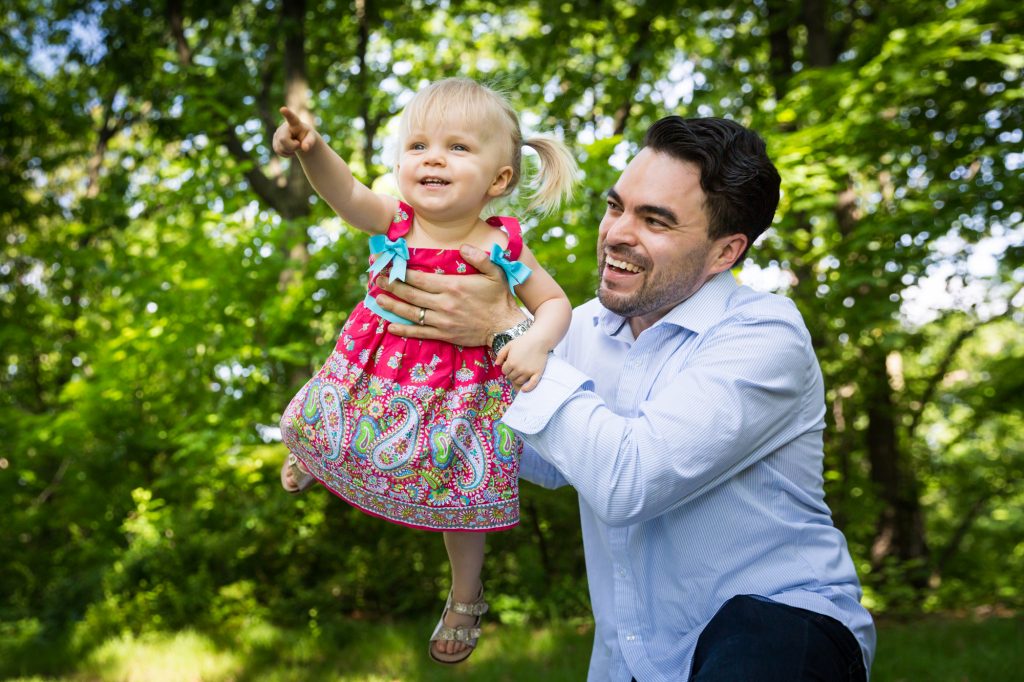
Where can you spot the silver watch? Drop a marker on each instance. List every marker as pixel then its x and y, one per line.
pixel 501 339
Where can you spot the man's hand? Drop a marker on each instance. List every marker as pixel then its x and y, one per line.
pixel 466 310
pixel 293 135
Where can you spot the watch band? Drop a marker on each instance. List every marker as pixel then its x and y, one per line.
pixel 501 339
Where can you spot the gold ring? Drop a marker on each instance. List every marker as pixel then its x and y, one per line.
pixel 423 316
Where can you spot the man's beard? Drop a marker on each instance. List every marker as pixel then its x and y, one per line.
pixel 658 294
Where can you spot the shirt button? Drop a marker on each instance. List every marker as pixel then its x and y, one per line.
pixel 630 638
pixel 622 573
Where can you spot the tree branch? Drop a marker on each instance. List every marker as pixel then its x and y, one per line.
pixel 947 361
pixel 953 546
pixel 176 21
pixel 621 116
pixel 296 86
pixel 265 188
pixel 51 488
pixel 268 116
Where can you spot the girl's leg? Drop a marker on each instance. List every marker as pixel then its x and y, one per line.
pixel 466 555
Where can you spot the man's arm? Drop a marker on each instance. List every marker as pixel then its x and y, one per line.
pixel 535 469
pixel 725 410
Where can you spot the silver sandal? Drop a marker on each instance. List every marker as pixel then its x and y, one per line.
pixel 303 480
pixel 467 634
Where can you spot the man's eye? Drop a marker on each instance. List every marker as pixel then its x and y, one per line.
pixel 655 222
pixel 613 207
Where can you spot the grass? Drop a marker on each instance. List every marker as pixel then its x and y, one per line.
pixel 933 648
pixel 950 650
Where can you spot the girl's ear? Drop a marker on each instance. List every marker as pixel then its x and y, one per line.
pixel 500 182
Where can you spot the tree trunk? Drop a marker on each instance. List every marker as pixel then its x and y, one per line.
pixel 900 528
pixel 820 50
pixel 780 47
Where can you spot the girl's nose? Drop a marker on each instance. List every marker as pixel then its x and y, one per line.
pixel 435 157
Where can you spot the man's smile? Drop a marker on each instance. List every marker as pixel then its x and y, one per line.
pixel 622 265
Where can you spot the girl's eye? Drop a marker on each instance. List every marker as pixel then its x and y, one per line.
pixel 460 148
pixel 417 146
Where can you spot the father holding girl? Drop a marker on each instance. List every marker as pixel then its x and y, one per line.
pixel 687 411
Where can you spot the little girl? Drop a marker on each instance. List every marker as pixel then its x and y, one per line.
pixel 410 430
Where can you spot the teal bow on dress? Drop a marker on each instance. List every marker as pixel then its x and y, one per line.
pixel 515 272
pixel 395 252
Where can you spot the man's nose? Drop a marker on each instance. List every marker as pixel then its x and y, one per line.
pixel 621 229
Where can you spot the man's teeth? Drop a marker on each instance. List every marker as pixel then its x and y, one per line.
pixel 623 265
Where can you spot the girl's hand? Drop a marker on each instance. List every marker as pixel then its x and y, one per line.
pixel 293 135
pixel 523 362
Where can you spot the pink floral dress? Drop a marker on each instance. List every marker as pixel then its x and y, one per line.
pixel 411 430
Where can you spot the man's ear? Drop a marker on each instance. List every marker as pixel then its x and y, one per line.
pixel 727 250
pixel 500 182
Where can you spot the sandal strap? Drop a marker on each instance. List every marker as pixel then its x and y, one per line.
pixel 459 633
pixel 477 608
pixel 300 475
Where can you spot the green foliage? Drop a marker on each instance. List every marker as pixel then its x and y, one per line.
pixel 166 285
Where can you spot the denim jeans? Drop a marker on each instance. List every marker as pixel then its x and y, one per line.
pixel 755 639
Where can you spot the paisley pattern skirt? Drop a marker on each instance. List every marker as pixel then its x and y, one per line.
pixel 409 430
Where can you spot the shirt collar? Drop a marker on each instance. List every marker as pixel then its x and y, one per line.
pixel 697 313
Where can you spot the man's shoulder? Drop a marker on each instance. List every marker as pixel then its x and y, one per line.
pixel 587 315
pixel 588 308
pixel 747 302
pixel 751 307
pixel 585 323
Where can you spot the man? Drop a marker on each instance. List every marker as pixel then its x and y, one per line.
pixel 687 411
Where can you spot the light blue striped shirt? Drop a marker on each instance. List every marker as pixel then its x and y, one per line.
pixel 696 450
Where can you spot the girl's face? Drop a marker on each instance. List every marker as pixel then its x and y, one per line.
pixel 449 171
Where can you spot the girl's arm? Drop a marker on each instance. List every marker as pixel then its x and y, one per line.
pixel 523 359
pixel 331 177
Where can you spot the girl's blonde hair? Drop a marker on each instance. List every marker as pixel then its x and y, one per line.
pixel 466 100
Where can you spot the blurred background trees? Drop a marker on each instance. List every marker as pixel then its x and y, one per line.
pixel 167 283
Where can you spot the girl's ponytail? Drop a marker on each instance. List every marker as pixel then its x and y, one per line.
pixel 557 177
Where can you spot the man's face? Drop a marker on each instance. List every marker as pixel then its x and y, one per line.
pixel 653 249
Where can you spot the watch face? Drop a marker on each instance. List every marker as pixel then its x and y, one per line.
pixel 501 339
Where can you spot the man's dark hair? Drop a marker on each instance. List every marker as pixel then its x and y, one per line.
pixel 738 178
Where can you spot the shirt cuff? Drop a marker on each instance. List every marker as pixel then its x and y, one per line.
pixel 531 411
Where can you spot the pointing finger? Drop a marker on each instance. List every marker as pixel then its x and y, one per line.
pixel 294 122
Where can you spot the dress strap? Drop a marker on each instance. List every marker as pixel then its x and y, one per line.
pixel 515 234
pixel 402 221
